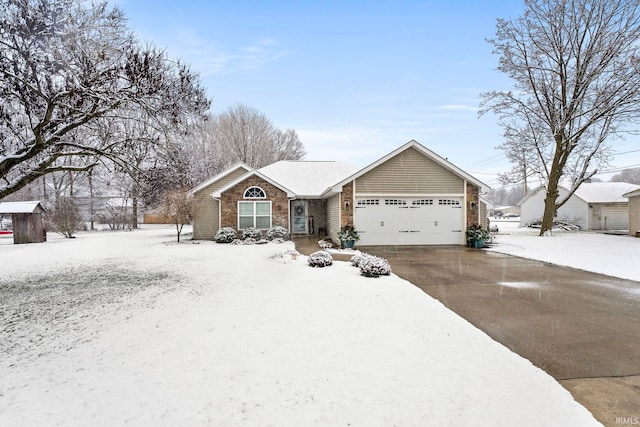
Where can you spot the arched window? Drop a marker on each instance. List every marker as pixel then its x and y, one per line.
pixel 255 193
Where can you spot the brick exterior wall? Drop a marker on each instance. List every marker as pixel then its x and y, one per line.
pixel 473 215
pixel 279 202
pixel 346 216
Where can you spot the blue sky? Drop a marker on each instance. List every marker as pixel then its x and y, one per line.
pixel 355 79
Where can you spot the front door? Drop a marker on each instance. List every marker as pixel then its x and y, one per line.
pixel 299 216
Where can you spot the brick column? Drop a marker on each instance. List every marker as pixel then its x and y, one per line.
pixel 473 215
pixel 346 196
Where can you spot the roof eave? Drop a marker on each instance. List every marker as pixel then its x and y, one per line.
pixel 219 176
pixel 425 151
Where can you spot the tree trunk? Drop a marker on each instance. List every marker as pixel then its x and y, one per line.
pixel 559 160
pixel 134 206
pixel 91 207
pixel 549 208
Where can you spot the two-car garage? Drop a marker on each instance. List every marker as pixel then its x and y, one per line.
pixel 410 220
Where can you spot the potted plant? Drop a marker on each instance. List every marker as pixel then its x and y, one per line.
pixel 476 236
pixel 348 236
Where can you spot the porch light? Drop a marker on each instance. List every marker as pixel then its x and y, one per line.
pixel 346 205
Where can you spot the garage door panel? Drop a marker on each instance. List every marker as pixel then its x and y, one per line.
pixel 409 221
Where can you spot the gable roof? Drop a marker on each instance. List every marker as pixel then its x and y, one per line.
pixel 605 192
pixel 218 193
pixel 21 207
pixel 426 152
pixel 597 192
pixel 308 178
pixel 321 178
pixel 221 175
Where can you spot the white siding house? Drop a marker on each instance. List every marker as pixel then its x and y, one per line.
pixel 594 206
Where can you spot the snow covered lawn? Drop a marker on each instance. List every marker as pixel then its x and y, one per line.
pixel 131 328
pixel 613 255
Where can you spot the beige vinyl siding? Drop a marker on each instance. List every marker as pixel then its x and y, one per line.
pixel 207 217
pixel 333 217
pixel 483 215
pixel 615 216
pixel 205 222
pixel 410 172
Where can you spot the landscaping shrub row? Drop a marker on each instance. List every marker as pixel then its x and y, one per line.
pixel 251 235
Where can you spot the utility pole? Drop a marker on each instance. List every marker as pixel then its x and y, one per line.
pixel 524 172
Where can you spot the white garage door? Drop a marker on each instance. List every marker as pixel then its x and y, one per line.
pixel 410 221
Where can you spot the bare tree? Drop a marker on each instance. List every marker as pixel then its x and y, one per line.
pixel 576 84
pixel 628 175
pixel 180 206
pixel 65 218
pixel 206 156
pixel 247 135
pixel 65 64
pixel 287 146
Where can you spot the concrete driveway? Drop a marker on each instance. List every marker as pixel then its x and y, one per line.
pixel 581 328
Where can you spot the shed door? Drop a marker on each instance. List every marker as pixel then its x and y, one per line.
pixel 410 221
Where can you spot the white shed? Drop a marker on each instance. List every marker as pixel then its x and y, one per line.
pixel 594 206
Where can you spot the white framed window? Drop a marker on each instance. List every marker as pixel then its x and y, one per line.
pixel 254 214
pixel 368 202
pixel 255 193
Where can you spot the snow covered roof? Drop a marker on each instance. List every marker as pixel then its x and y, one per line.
pixel 20 207
pixel 597 192
pixel 308 178
pixel 605 192
pixel 635 193
pixel 487 203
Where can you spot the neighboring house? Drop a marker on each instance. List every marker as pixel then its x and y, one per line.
pixel 594 206
pixel 485 207
pixel 634 212
pixel 410 196
pixel 506 211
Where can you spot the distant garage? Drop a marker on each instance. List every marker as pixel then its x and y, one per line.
pixel 410 220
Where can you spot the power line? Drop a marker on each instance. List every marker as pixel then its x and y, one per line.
pixel 627 152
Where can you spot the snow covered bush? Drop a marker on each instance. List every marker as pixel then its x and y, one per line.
pixel 373 266
pixel 252 233
pixel 357 259
pixel 278 240
pixel 225 235
pixel 277 232
pixel 320 259
pixel 325 244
